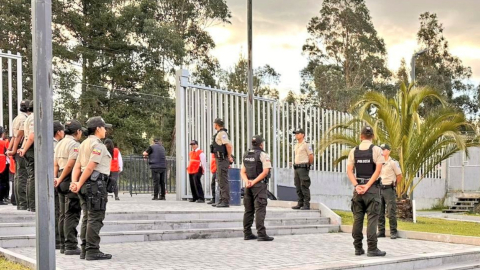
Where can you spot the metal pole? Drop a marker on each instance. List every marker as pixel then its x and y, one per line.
pixel 250 76
pixel 42 94
pixel 180 132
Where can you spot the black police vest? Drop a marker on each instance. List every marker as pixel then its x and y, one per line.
pixel 157 158
pixel 216 148
pixel 364 165
pixel 252 163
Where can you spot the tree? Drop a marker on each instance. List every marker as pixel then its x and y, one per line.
pixel 346 57
pixel 439 69
pixel 419 143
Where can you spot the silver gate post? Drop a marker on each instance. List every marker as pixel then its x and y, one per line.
pixel 250 77
pixel 180 133
pixel 42 96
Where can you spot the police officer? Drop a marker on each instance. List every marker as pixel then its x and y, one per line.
pixel 367 161
pixel 255 173
pixel 28 152
pixel 89 180
pixel 222 148
pixel 303 161
pixel 58 134
pixel 21 174
pixel 66 153
pixel 391 175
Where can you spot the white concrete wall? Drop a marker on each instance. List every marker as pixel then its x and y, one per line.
pixel 335 190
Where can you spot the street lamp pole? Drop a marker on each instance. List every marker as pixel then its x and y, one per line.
pixel 250 74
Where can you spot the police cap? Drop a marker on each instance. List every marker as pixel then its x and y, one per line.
pixel 24 105
pixel 299 131
pixel 97 121
pixel 367 130
pixel 193 142
pixel 385 146
pixel 257 140
pixel 30 106
pixel 74 125
pixel 57 126
pixel 219 122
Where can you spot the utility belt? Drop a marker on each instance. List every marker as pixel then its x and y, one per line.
pixel 219 155
pixel 264 181
pixel 64 187
pixel 96 196
pixel 387 186
pixel 302 165
pixel 364 181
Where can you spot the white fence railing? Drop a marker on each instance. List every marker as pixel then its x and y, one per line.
pixel 12 61
pixel 197 107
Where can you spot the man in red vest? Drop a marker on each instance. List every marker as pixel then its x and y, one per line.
pixel 4 171
pixel 195 171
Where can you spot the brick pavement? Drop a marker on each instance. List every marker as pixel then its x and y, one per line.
pixel 286 252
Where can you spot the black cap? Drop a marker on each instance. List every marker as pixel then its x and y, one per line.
pixel 30 106
pixel 73 125
pixel 219 122
pixel 57 126
pixel 299 130
pixel 156 140
pixel 385 146
pixel 193 142
pixel 24 105
pixel 367 130
pixel 257 140
pixel 97 121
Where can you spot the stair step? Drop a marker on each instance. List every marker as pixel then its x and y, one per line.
pixel 454 211
pixel 14 241
pixel 458 266
pixel 7 229
pixel 176 215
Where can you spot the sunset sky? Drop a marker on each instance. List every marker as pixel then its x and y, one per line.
pixel 279 31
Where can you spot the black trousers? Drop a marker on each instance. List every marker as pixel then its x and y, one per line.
pixel 255 203
pixel 114 177
pixel 158 176
pixel 212 185
pixel 196 185
pixel 4 184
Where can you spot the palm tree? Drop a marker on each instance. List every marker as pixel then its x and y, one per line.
pixel 419 143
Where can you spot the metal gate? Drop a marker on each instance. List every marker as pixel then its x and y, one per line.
pixel 11 61
pixel 196 109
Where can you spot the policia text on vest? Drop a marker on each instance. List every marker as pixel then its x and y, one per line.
pixel 366 159
pixel 255 172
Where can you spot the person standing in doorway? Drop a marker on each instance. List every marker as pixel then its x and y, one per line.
pixel 391 175
pixel 195 169
pixel 116 166
pixel 222 148
pixel 303 161
pixel 158 165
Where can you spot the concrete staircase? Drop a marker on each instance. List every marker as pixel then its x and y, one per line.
pixel 463 205
pixel 18 230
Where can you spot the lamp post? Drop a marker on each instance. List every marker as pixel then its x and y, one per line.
pixel 414 58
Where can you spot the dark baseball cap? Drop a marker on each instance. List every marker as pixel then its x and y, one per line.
pixel 385 146
pixel 299 130
pixel 24 105
pixel 257 140
pixel 97 121
pixel 367 130
pixel 57 126
pixel 219 121
pixel 74 125
pixel 193 142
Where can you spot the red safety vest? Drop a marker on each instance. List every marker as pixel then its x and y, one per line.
pixel 213 165
pixel 3 158
pixel 12 160
pixel 194 162
pixel 114 166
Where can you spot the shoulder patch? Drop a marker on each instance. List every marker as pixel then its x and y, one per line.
pixel 97 151
pixel 224 136
pixel 75 149
pixel 310 148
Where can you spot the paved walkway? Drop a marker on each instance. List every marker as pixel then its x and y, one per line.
pixel 285 252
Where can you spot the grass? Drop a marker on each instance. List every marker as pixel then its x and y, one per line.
pixel 7 265
pixel 431 225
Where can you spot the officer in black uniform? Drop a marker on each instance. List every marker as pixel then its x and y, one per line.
pixel 367 160
pixel 255 173
pixel 222 148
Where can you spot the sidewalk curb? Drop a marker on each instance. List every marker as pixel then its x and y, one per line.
pixel 435 237
pixel 20 259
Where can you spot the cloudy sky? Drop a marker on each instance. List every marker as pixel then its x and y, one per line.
pixel 279 31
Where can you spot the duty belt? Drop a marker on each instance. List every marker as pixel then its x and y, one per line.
pixel 303 165
pixel 387 186
pixel 364 181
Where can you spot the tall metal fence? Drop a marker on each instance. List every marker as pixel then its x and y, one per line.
pixel 136 177
pixel 13 72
